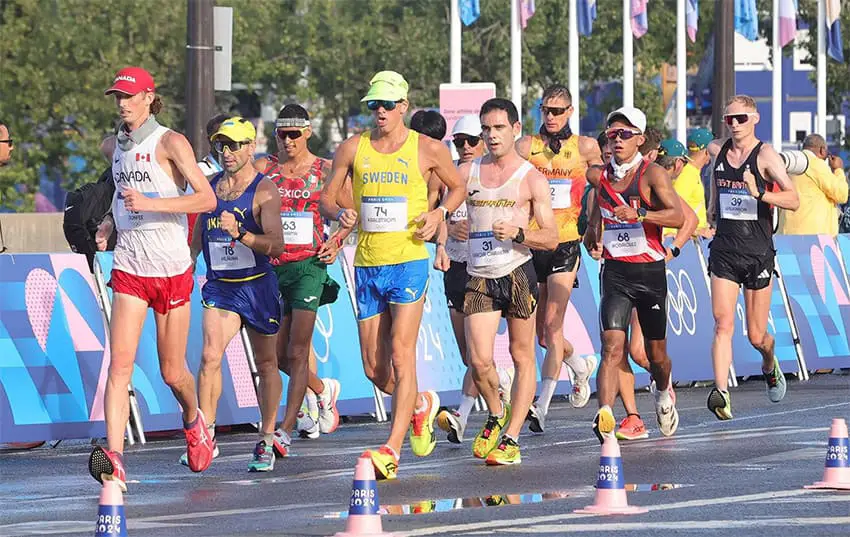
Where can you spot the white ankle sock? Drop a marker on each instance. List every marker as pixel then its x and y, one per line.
pixel 466 404
pixel 547 390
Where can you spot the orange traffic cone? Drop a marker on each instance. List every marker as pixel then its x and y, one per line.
pixel 110 512
pixel 610 484
pixel 363 509
pixel 836 471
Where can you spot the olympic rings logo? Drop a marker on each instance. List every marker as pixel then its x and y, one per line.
pixel 682 304
pixel 324 331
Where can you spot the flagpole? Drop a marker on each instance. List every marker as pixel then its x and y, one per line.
pixel 628 56
pixel 681 73
pixel 516 58
pixel 454 45
pixel 820 126
pixel 776 94
pixel 573 61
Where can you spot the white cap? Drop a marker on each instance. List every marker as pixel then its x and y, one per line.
pixel 635 117
pixel 468 124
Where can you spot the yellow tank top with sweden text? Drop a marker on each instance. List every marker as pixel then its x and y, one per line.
pixel 389 192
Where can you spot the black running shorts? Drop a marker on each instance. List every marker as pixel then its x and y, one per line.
pixel 642 286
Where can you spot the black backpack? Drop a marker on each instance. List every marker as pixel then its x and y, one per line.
pixel 85 208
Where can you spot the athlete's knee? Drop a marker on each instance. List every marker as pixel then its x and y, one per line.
pixel 724 325
pixel 554 329
pixel 299 352
pixel 479 362
pixel 521 351
pixel 613 351
pixel 174 374
pixel 121 368
pixel 758 338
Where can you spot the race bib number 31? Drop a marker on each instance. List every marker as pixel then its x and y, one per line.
pixel 485 250
pixel 381 214
pixel 226 254
pixel 737 204
pixel 624 240
pixel 561 191
pixel 297 228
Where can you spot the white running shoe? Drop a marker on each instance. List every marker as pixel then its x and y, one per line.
pixel 307 424
pixel 281 443
pixel 536 419
pixel 666 413
pixel 328 414
pixel 580 394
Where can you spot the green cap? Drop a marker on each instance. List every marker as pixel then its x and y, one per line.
pixel 386 86
pixel 672 148
pixel 699 139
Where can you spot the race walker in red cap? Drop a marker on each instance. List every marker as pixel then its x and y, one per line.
pixel 152 267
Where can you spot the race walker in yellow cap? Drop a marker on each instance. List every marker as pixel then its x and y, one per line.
pixel 388 165
pixel 237 238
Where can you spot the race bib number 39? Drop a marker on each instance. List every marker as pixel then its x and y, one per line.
pixel 561 191
pixel 297 228
pixel 485 250
pixel 381 214
pixel 737 204
pixel 227 254
pixel 624 240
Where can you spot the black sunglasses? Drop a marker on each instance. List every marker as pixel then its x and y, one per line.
pixel 623 134
pixel 292 135
pixel 220 146
pixel 459 141
pixel 9 141
pixel 386 105
pixel 554 110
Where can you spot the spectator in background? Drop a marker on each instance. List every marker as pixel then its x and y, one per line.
pixel 698 156
pixel 649 149
pixel 430 123
pixel 6 145
pixel 673 156
pixel 821 189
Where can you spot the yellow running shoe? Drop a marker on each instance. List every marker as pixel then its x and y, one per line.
pixel 422 437
pixel 384 461
pixel 488 438
pixel 506 453
pixel 603 423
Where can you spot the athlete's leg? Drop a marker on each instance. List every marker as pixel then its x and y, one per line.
pixel 314 383
pixel 521 333
pixel 298 354
pixel 406 319
pixel 481 330
pixel 757 304
pixel 375 350
pixel 219 327
pixel 271 385
pixel 172 333
pixel 613 356
pixel 468 387
pixel 626 376
pixel 125 330
pixel 724 299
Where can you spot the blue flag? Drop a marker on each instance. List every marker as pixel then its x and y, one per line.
pixel 746 19
pixel 469 11
pixel 586 16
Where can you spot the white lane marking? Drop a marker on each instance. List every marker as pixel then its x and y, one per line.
pixel 680 525
pixel 528 521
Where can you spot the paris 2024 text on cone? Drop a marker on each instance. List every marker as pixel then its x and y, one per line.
pixel 610 484
pixel 110 512
pixel 836 471
pixel 364 518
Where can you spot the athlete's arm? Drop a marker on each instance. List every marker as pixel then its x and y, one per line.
pixel 331 204
pixel 773 167
pixel 545 238
pixel 107 148
pixel 593 231
pixel 684 233
pixel 177 149
pixel 270 241
pixel 439 162
pixel 523 146
pixel 589 151
pixel 330 248
pixel 197 245
pixel 661 189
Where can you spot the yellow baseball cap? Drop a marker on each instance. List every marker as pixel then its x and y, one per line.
pixel 237 129
pixel 386 86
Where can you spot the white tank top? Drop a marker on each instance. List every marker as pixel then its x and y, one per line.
pixel 456 249
pixel 488 257
pixel 149 244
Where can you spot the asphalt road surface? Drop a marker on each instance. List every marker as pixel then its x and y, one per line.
pixel 742 477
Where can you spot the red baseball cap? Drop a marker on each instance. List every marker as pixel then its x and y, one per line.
pixel 131 80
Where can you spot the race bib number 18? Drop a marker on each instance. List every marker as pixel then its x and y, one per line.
pixel 380 214
pixel 226 254
pixel 737 204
